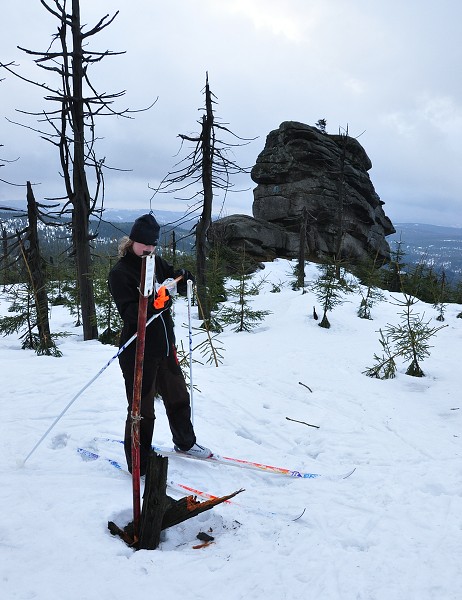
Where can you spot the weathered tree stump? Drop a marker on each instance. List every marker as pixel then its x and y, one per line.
pixel 159 510
pixel 155 502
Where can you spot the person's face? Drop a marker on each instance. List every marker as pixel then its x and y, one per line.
pixel 139 249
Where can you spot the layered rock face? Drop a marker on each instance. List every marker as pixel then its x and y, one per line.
pixel 263 241
pixel 303 171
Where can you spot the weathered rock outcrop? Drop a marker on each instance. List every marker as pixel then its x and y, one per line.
pixel 303 168
pixel 262 240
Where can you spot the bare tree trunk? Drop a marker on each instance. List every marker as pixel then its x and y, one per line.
pixel 301 250
pixel 81 195
pixel 206 217
pixel 174 261
pixel 341 202
pixel 83 263
pixel 34 266
pixel 5 258
pixel 207 164
pixel 72 128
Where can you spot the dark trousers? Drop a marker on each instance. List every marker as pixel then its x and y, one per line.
pixel 161 377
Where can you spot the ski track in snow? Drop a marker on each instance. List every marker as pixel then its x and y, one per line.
pixel 390 531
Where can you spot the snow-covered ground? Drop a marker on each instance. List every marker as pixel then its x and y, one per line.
pixel 391 531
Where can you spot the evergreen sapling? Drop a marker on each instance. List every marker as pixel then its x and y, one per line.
pixel 26 321
pixel 370 279
pixel 408 340
pixel 330 289
pixel 107 315
pixel 240 314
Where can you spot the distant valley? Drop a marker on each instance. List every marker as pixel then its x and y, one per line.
pixel 432 244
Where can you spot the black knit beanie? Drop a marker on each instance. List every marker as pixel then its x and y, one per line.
pixel 145 230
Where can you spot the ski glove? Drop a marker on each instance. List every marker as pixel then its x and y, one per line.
pixel 185 274
pixel 162 300
pixel 182 287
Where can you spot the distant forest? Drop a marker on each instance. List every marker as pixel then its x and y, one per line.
pixel 55 241
pixel 439 247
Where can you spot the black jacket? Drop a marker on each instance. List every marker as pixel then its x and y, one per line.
pixel 124 281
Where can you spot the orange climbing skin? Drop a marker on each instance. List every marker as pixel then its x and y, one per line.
pixel 191 503
pixel 162 297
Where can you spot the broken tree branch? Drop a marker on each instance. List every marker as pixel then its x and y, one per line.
pixel 302 422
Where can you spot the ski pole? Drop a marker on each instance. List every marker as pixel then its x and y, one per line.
pixel 189 285
pixel 87 385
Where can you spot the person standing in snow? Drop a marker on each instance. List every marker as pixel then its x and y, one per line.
pixel 162 373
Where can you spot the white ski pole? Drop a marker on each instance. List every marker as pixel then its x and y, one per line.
pixel 189 286
pixel 87 385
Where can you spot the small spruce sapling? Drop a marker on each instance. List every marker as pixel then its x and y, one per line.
pixel 456 297
pixel 183 361
pixel 321 124
pixel 107 315
pixel 411 337
pixel 71 295
pixel 276 287
pixel 240 314
pixel 370 279
pixel 439 295
pixel 408 340
pixel 26 321
pixel 330 289
pixel 298 277
pixel 385 365
pixel 392 273
pixel 211 347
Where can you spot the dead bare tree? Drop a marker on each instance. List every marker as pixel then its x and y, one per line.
pixel 70 127
pixel 301 250
pixel 208 168
pixel 33 260
pixel 341 184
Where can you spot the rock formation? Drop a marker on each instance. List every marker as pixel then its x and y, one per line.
pixel 303 171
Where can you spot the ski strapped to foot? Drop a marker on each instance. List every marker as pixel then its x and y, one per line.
pixel 181 488
pixel 243 464
pixel 247 464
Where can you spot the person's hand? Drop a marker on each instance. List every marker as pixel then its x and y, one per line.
pixel 185 274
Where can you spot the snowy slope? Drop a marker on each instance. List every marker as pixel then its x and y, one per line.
pixel 391 531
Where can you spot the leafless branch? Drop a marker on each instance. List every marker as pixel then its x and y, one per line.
pixel 308 388
pixel 302 422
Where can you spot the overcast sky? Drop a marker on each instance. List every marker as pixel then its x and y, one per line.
pixel 390 71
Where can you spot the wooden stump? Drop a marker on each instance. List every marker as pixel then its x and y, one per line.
pixel 159 510
pixel 155 502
